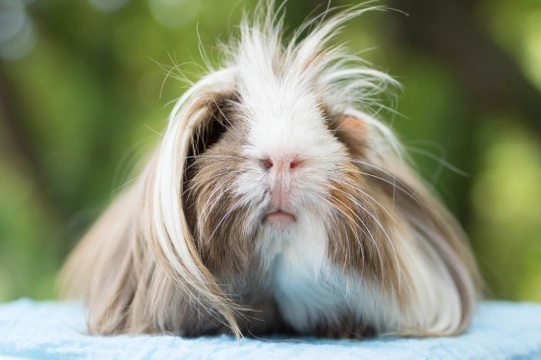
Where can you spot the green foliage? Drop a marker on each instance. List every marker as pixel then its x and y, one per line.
pixel 86 93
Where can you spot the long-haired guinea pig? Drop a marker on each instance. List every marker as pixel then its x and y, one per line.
pixel 275 204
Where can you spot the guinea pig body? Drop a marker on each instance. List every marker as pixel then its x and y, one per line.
pixel 274 204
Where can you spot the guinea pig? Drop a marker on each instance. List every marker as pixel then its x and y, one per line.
pixel 275 202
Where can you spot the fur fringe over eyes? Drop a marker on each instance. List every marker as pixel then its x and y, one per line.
pixel 272 204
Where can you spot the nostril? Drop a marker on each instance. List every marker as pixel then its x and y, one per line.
pixel 294 164
pixel 280 163
pixel 267 163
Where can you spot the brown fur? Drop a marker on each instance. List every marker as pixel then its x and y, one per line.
pixel 176 252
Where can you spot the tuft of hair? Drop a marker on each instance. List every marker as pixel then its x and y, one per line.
pixel 139 268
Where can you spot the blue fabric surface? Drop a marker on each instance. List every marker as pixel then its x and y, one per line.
pixel 52 330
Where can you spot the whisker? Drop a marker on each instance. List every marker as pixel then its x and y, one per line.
pixel 214 156
pixel 195 186
pixel 359 221
pixel 393 183
pixel 225 216
pixel 208 207
pixel 440 160
pixel 355 188
pixel 357 239
pixel 377 221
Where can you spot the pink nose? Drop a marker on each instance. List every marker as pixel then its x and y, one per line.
pixel 280 171
pixel 281 163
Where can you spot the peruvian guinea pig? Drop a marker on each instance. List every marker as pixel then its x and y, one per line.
pixel 276 203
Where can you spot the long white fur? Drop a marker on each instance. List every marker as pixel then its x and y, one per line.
pixel 281 108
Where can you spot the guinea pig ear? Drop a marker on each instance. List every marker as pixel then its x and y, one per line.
pixel 352 132
pixel 439 276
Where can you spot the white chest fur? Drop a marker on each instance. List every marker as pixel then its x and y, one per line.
pixel 308 288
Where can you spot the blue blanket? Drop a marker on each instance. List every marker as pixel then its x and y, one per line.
pixel 52 330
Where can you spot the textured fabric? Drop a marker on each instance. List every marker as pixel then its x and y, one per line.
pixel 52 330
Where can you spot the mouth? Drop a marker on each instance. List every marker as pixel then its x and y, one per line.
pixel 279 217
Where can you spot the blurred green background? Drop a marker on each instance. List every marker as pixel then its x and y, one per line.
pixel 83 94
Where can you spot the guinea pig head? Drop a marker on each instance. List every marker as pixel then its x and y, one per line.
pixel 261 165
